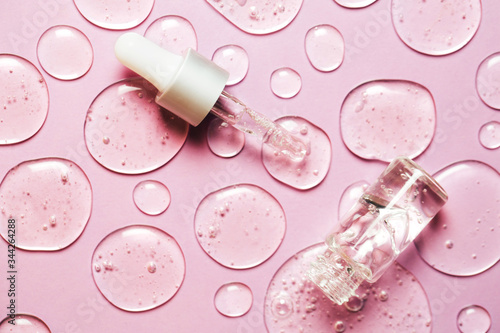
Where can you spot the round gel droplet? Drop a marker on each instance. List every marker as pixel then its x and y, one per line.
pixel 471 220
pixel 224 140
pixel 324 47
pixel 474 319
pixel 240 226
pixel 313 169
pixel 151 197
pixel 355 3
pixel 35 193
pixel 285 82
pixel 388 118
pixel 144 267
pixel 488 81
pixel 65 52
pixel 24 323
pixel 436 27
pixel 233 299
pixel 115 15
pixel 259 16
pixel 24 99
pixel 234 59
pixel 127 132
pixel 489 135
pixel 302 307
pixel 173 33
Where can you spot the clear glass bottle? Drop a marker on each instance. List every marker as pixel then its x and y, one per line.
pixel 384 221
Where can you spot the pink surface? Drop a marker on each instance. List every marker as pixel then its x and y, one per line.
pixel 58 286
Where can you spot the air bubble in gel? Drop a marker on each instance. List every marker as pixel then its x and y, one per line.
pixel 173 33
pixel 233 299
pixel 151 197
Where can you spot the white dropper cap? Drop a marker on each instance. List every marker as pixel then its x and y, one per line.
pixel 188 86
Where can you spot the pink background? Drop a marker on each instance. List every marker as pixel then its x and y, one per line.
pixel 58 286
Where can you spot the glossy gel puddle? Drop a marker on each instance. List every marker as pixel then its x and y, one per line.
pixel 173 33
pixel 473 319
pixel 489 135
pixel 24 323
pixel 127 132
pixel 115 15
pixel 488 81
pixel 240 226
pixel 51 201
pixel 462 239
pixel 385 119
pixel 151 197
pixel 285 82
pixel 325 47
pixel 312 170
pixel 234 59
pixel 233 299
pixel 138 267
pixel 294 304
pixel 224 140
pixel 65 52
pixel 258 16
pixel 436 27
pixel 24 99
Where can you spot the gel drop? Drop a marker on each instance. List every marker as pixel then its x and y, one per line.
pixel 240 226
pixel 173 33
pixel 233 299
pixel 138 267
pixel 234 59
pixel 473 319
pixel 489 135
pixel 285 82
pixel 355 3
pixel 24 323
pixel 224 140
pixel 325 47
pixel 151 197
pixel 24 99
pixel 488 81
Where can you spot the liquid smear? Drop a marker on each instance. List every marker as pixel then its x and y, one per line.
pixel 396 302
pixel 285 82
pixel 173 33
pixel 151 197
pixel 115 15
pixel 24 323
pixel 350 195
pixel 385 119
pixel 436 27
pixel 234 59
pixel 463 238
pixel 258 16
pixel 233 299
pixel 127 132
pixel 325 47
pixel 355 3
pixel 240 226
pixel 65 52
pixel 489 135
pixel 308 172
pixel 138 267
pixel 50 200
pixel 224 140
pixel 488 81
pixel 473 319
pixel 24 99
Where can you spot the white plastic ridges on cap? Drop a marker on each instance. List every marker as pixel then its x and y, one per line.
pixel 188 87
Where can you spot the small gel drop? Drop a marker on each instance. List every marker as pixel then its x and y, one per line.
pixel 285 82
pixel 24 323
pixel 324 47
pixel 355 3
pixel 234 59
pixel 489 135
pixel 473 319
pixel 224 140
pixel 233 299
pixel 151 197
pixel 173 33
pixel 488 81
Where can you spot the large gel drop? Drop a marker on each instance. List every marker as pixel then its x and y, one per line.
pixel 313 169
pixel 50 200
pixel 138 267
pixel 285 82
pixel 65 52
pixel 234 59
pixel 151 197
pixel 396 302
pixel 436 27
pixel 488 80
pixel 473 319
pixel 115 15
pixel 324 47
pixel 463 238
pixel 127 132
pixel 24 99
pixel 224 140
pixel 233 299
pixel 173 33
pixel 258 16
pixel 385 119
pixel 240 226
pixel 355 3
pixel 489 135
pixel 24 323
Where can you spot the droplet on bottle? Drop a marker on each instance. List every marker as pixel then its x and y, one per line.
pixel 473 318
pixel 489 135
pixel 351 195
pixel 224 140
pixel 282 305
pixel 355 3
pixel 151 197
pixel 65 52
pixel 115 15
pixel 24 323
pixel 324 47
pixel 436 27
pixel 233 299
pixel 173 33
pixel 285 82
pixel 339 326
pixel 234 59
pixel 487 82
pixel 354 304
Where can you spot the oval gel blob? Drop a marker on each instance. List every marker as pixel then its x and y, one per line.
pixel 488 81
pixel 285 82
pixel 324 47
pixel 234 59
pixel 233 299
pixel 173 33
pixel 151 197
pixel 474 319
pixel 24 323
